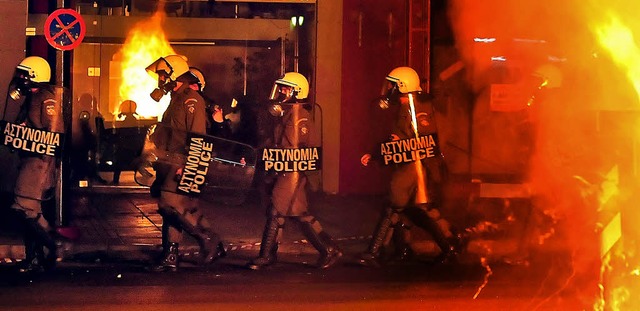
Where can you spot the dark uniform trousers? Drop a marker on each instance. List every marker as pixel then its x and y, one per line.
pixel 185 113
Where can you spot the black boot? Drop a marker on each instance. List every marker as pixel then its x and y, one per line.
pixel 34 255
pixel 268 247
pixel 332 254
pixel 169 261
pixel 165 232
pixel 210 245
pixel 401 238
pixel 329 251
pixel 371 257
pixel 43 238
pixel 211 248
pixel 420 217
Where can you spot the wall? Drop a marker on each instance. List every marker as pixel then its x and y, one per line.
pixel 12 51
pixel 328 83
pixel 374 42
pixel 12 42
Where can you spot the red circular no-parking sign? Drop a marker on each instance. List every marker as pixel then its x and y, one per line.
pixel 64 29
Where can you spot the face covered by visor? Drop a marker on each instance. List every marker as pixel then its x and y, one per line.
pixel 162 70
pixel 281 94
pixel 21 84
pixel 389 95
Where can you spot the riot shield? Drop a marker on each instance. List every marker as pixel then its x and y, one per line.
pixel 19 138
pixel 204 166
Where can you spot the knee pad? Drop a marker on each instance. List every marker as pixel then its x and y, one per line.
pixel 30 208
pixel 434 213
pixel 388 212
pixel 310 221
pixel 169 215
pixel 166 212
pixel 272 212
pixel 395 219
pixel 400 225
pixel 431 209
pixel 306 219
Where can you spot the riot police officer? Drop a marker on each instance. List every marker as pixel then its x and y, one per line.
pixel 35 184
pixel 414 154
pixel 288 195
pixel 185 113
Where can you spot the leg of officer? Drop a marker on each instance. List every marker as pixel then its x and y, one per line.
pixel 384 228
pixel 180 213
pixel 34 179
pixel 269 245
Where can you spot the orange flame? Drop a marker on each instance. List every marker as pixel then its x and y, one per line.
pixel 145 43
pixel 421 191
pixel 585 126
pixel 618 38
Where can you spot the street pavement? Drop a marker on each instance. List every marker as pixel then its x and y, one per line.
pixel 122 222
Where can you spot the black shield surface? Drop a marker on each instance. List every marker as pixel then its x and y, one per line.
pixel 209 167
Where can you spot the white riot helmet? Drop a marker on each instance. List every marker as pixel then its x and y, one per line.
pixel 171 66
pixel 290 88
pixel 401 80
pixel 37 69
pixel 197 73
pixel 168 70
pixel 30 72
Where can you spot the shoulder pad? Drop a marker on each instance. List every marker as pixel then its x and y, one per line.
pixel 190 104
pixel 50 106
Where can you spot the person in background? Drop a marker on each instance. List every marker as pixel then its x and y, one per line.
pixel 217 125
pixel 126 118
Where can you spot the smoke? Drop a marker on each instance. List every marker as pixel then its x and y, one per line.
pixel 578 64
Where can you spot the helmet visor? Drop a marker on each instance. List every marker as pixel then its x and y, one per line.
pixel 23 75
pixel 160 68
pixel 282 93
pixel 390 94
pixel 389 89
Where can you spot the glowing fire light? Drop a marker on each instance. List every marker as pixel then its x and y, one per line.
pixel 421 191
pixel 485 264
pixel 584 164
pixel 484 40
pixel 618 40
pixel 145 43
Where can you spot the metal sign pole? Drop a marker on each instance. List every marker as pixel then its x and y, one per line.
pixel 61 99
pixel 60 95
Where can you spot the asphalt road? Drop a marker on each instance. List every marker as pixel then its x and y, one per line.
pixel 291 284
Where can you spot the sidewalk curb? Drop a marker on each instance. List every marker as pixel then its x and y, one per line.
pixel 490 249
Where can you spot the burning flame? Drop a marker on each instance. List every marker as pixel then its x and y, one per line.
pixel 619 41
pixel 145 43
pixel 617 280
pixel 584 164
